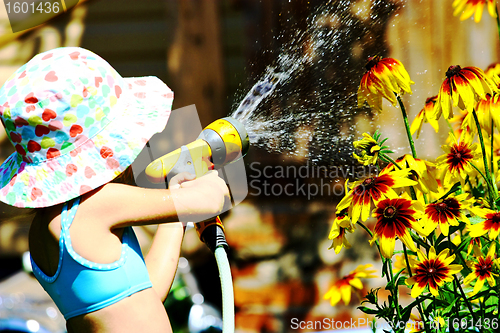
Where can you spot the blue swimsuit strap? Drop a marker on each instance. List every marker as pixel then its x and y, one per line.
pixel 67 218
pixel 63 239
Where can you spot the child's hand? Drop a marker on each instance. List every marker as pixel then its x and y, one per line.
pixel 177 180
pixel 201 198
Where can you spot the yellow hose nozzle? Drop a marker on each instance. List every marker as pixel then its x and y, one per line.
pixel 222 142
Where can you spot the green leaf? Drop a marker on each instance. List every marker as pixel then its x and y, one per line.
pixel 407 310
pixel 449 308
pixel 453 189
pixel 384 267
pixel 396 277
pixel 476 219
pixel 368 310
pixel 491 302
pixel 402 281
pixel 372 297
pixel 382 158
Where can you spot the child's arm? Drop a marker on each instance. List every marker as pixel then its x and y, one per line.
pixel 194 201
pixel 163 255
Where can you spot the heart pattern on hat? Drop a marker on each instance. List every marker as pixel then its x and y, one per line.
pixel 69 113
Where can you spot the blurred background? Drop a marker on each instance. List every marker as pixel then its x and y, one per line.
pixel 211 53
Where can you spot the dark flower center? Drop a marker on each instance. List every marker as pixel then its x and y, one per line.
pixel 368 181
pixel 495 218
pixel 484 267
pixel 459 155
pixel 453 70
pixel 389 212
pixel 372 61
pixel 431 272
pixel 369 147
pixel 441 212
pixel 441 206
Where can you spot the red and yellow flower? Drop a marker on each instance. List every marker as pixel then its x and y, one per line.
pixel 491 225
pixel 373 189
pixel 426 115
pixel 385 77
pixel 395 218
pixel 468 7
pixel 446 212
pixel 463 87
pixel 342 289
pixel 341 225
pixel 482 270
pixel 432 271
pixel 455 164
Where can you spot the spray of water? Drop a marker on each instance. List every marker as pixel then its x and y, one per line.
pixel 304 104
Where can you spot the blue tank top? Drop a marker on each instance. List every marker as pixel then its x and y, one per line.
pixel 80 286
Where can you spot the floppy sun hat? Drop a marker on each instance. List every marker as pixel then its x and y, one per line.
pixel 75 124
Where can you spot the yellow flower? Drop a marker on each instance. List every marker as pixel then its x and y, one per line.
pixel 358 200
pixel 432 272
pixel 400 262
pixel 493 73
pixel 342 288
pixel 394 219
pixel 456 162
pixel 426 115
pixel 463 87
pixel 340 226
pixel 487 111
pixel 446 212
pixel 384 78
pixel 482 270
pixel 421 171
pixel 469 7
pixel 369 150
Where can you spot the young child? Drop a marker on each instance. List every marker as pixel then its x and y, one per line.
pixel 76 125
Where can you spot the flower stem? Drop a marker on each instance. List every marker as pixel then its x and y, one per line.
pixel 498 21
pixel 493 195
pixel 392 161
pixel 495 188
pixel 420 310
pixel 466 301
pixel 366 229
pixel 395 291
pixel 492 150
pixel 407 126
pixel 486 179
